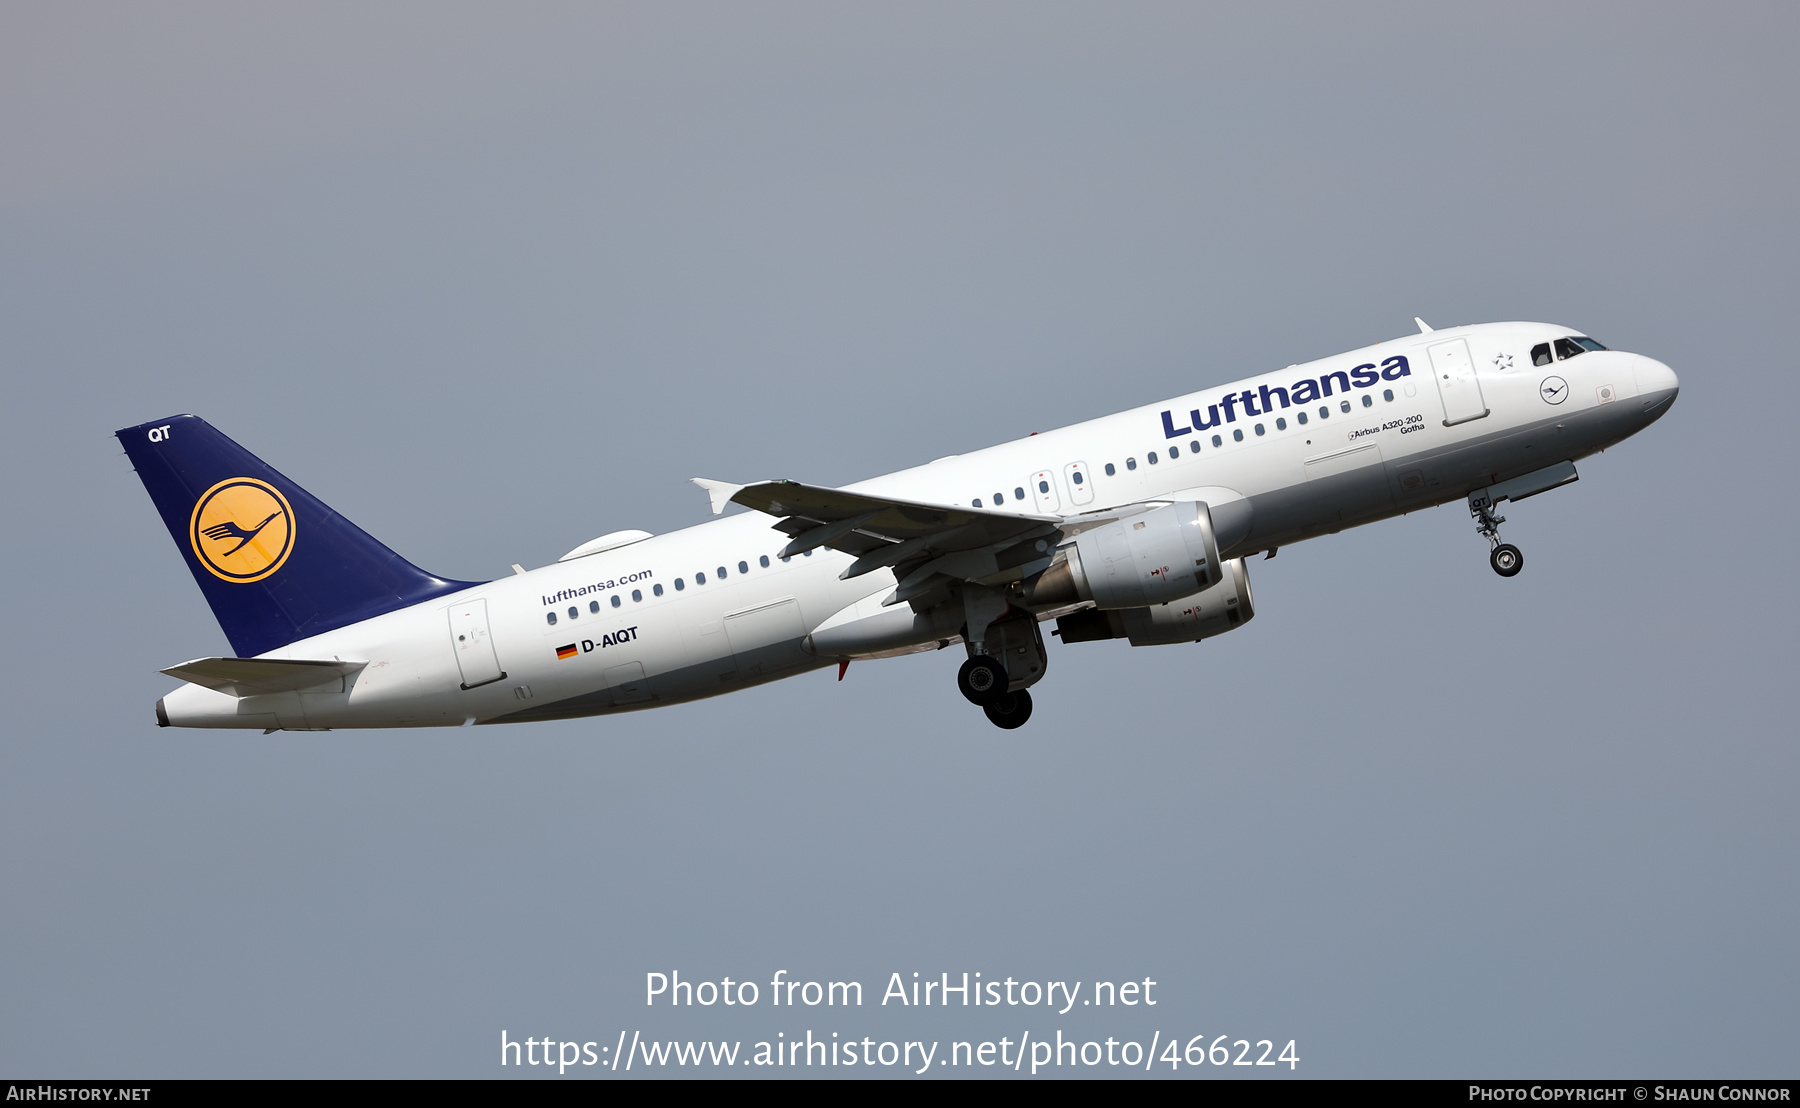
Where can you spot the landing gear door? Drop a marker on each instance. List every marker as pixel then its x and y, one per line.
pixel 1454 370
pixel 1081 488
pixel 1043 492
pixel 473 644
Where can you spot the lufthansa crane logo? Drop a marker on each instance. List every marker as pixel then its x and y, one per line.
pixel 242 530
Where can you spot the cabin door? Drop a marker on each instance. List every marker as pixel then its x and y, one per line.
pixel 473 644
pixel 1454 370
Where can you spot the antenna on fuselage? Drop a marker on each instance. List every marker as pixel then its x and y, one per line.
pixel 1424 327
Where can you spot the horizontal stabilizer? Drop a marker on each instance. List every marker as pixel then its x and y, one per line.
pixel 243 677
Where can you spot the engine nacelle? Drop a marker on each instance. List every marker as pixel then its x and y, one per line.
pixel 1160 556
pixel 1224 607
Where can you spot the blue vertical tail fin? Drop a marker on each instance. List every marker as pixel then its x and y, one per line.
pixel 274 561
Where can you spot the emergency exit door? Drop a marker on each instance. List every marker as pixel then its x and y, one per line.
pixel 1454 370
pixel 473 644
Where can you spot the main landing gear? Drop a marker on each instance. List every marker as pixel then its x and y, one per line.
pixel 983 681
pixel 1505 557
pixel 1006 656
pixel 1011 710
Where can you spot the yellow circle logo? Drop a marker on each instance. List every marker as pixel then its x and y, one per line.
pixel 242 530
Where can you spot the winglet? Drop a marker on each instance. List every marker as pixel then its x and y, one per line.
pixel 720 491
pixel 1424 327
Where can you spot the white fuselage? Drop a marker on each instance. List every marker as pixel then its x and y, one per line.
pixel 1396 449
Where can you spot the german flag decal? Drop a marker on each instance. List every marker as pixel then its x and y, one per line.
pixel 565 651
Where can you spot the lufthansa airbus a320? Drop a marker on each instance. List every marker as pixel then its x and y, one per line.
pixel 1135 526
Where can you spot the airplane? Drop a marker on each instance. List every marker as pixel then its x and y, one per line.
pixel 1134 526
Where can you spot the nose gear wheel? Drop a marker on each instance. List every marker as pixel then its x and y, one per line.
pixel 1506 560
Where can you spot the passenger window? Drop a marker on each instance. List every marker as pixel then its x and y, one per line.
pixel 999 499
pixel 1368 401
pixel 1130 463
pixel 656 590
pixel 1301 416
pixel 1540 354
pixel 637 596
pixel 1019 492
pixel 680 584
pixel 1259 428
pixel 721 573
pixel 1043 486
pixel 594 605
pixel 1174 452
pixel 763 561
pixel 551 617
pixel 1075 477
pixel 1387 395
pixel 743 567
pixel 1281 424
pixel 807 554
pixel 1566 348
pixel 699 579
pixel 1324 411
pixel 616 601
pixel 1343 405
pixel 574 612
pixel 1153 457
pixel 1217 441
pixel 975 503
pixel 1194 447
pixel 1110 470
pixel 1237 435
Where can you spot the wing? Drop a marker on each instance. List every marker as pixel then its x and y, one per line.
pixel 926 545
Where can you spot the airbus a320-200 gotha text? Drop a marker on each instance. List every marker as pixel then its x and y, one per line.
pixel 1135 526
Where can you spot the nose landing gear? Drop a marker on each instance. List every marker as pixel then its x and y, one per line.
pixel 1504 557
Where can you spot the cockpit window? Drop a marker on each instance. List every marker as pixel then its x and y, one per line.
pixel 1569 347
pixel 1540 354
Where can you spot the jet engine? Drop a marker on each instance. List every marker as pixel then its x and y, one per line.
pixel 1156 557
pixel 1224 607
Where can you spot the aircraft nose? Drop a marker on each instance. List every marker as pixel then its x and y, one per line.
pixel 1657 385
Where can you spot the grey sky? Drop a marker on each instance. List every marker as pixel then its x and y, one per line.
pixel 492 281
